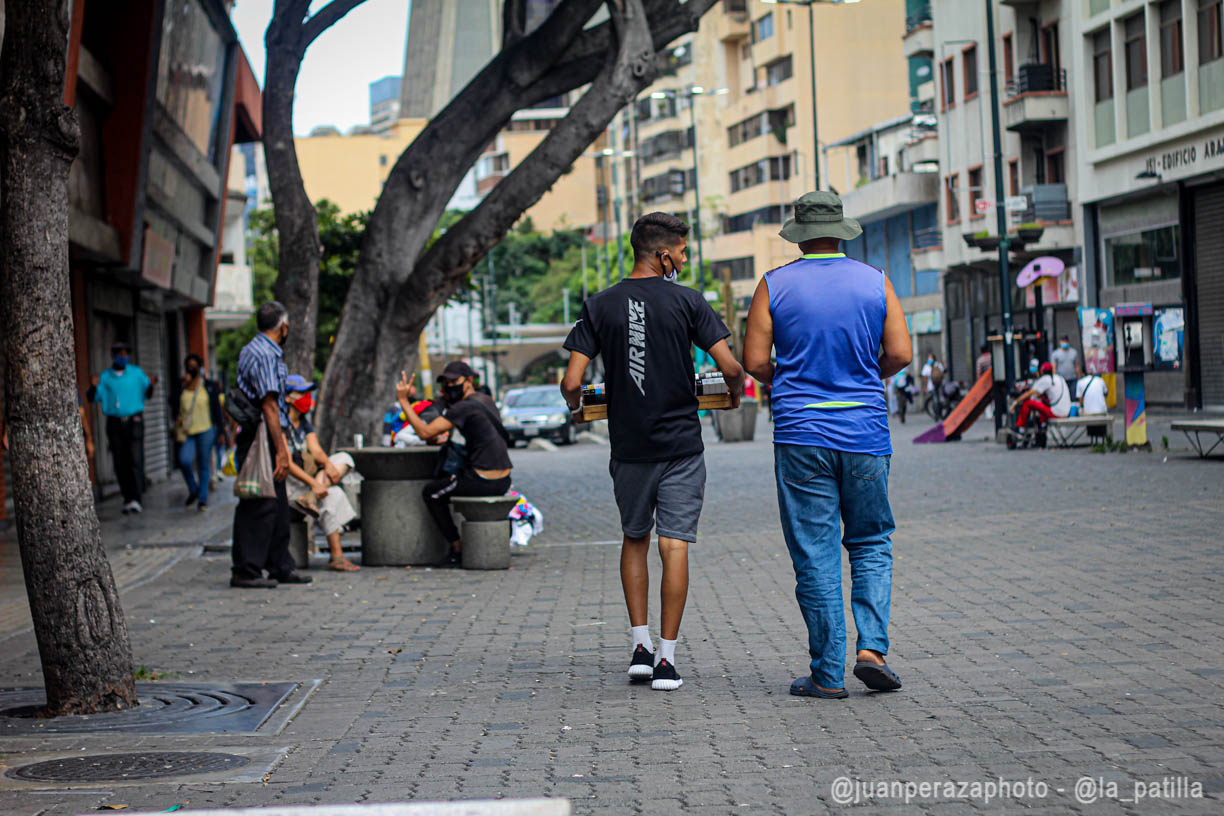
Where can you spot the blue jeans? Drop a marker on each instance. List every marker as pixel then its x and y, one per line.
pixel 828 497
pixel 197 450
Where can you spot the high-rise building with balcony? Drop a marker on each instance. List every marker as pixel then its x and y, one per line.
pixel 1039 149
pixel 1148 82
pixel 384 103
pixel 734 118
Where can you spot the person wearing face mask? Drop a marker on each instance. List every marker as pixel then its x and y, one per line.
pixel 645 328
pixel 486 471
pixel 199 417
pixel 261 526
pixel 1066 361
pixel 312 471
pixel 121 390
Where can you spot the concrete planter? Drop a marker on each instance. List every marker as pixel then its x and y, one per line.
pixel 738 424
pixel 396 529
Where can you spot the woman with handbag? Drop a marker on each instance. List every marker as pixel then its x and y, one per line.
pixel 195 428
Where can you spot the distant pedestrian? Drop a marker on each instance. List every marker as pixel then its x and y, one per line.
pixel 198 403
pixel 901 390
pixel 121 390
pixel 1066 361
pixel 261 526
pixel 984 362
pixel 645 328
pixel 838 329
pixel 932 374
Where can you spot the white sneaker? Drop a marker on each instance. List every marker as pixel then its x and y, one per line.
pixel 134 507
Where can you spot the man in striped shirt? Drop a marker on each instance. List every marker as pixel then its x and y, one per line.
pixel 261 526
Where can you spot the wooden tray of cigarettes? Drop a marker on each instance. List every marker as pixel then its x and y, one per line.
pixel 706 402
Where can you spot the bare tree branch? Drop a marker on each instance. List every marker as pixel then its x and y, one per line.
pixel 586 55
pixel 514 21
pixel 632 68
pixel 326 17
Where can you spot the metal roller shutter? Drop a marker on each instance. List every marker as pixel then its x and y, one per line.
pixel 1209 277
pixel 958 365
pixel 151 359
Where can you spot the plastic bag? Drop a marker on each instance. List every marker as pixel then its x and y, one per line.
pixel 255 479
pixel 228 468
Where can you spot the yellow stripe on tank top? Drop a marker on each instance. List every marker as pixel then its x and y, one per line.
pixel 835 405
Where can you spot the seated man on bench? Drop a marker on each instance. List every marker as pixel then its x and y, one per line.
pixel 1055 399
pixel 1090 393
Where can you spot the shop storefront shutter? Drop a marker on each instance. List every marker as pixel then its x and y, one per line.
pixel 151 358
pixel 1209 277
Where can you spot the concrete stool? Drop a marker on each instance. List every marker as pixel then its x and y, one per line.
pixel 301 541
pixel 486 530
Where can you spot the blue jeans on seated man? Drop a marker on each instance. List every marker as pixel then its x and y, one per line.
pixel 197 450
pixel 819 491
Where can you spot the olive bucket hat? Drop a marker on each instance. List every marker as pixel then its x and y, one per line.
pixel 819 215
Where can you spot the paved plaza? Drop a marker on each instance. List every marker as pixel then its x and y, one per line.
pixel 1056 615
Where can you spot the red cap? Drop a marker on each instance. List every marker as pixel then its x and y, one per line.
pixel 1046 368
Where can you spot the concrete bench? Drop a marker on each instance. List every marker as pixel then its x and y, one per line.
pixel 486 530
pixel 1067 432
pixel 1202 426
pixel 301 539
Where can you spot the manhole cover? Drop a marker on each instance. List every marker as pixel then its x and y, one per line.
pixel 165 708
pixel 116 767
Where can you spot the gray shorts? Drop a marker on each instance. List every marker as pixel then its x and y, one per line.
pixel 672 491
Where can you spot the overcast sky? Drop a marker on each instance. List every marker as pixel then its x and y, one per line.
pixel 333 87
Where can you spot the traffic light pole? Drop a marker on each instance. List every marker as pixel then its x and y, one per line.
pixel 1009 358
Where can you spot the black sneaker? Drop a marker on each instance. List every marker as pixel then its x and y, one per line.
pixel 453 560
pixel 293 578
pixel 191 499
pixel 642 665
pixel 665 677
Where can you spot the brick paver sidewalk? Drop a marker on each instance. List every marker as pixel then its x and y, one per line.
pixel 1055 616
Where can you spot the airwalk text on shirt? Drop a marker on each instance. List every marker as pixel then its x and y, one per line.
pixel 637 343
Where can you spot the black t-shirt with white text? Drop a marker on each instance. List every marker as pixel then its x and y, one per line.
pixel 645 329
pixel 486 448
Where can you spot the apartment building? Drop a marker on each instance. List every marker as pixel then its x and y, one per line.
pixel 1034 44
pixel 1149 78
pixel 730 125
pixel 162 91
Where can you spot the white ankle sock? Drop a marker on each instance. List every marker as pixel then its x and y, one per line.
pixel 641 636
pixel 667 651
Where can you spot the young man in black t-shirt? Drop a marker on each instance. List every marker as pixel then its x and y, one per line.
pixel 487 472
pixel 645 328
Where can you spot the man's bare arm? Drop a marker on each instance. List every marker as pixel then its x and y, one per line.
pixel 758 341
pixel 732 371
pixel 571 383
pixel 896 350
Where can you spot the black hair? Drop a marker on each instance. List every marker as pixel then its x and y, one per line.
pixel 270 315
pixel 985 347
pixel 120 344
pixel 193 356
pixel 654 232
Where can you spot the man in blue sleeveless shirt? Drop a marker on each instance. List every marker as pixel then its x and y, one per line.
pixel 838 331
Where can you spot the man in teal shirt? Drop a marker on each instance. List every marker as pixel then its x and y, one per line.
pixel 122 390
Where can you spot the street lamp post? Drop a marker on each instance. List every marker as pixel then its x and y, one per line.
pixel 691 93
pixel 812 66
pixel 1009 362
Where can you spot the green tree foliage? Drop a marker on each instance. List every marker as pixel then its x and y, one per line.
pixel 341 239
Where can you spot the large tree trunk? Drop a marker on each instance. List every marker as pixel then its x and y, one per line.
pixel 395 288
pixel 297 282
pixel 79 624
